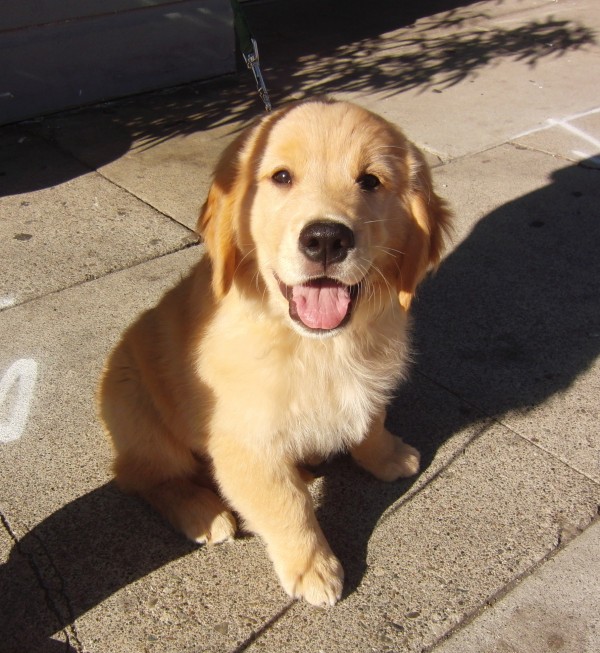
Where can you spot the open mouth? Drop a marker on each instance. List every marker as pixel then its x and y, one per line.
pixel 321 304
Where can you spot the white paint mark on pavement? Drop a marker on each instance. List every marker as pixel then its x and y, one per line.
pixel 575 130
pixel 22 374
pixel 563 122
pixel 7 301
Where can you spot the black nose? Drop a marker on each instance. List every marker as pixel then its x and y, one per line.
pixel 326 242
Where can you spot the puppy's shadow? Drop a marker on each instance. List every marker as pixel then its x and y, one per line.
pixel 80 555
pixel 511 319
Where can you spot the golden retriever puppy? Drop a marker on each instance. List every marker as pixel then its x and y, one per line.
pixel 286 341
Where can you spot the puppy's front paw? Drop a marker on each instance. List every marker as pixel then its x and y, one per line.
pixel 403 462
pixel 320 581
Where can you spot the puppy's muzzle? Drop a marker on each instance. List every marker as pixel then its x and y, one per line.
pixel 322 303
pixel 326 242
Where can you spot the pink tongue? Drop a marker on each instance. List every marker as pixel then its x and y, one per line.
pixel 321 305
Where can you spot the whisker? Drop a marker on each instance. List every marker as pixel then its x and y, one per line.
pixel 383 146
pixel 369 287
pixel 379 220
pixel 257 282
pixel 386 283
pixel 388 250
pixel 262 299
pixel 237 267
pixel 393 255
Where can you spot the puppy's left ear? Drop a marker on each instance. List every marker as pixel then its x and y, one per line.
pixel 429 222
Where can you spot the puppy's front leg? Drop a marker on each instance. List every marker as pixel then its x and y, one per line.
pixel 273 500
pixel 385 455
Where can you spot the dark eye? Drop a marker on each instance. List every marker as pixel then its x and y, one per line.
pixel 368 182
pixel 282 177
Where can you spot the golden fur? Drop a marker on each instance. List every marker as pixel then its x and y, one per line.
pixel 271 353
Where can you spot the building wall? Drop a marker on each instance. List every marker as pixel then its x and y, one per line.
pixel 57 54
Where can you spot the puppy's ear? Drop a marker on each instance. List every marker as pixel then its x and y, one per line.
pixel 429 222
pixel 217 221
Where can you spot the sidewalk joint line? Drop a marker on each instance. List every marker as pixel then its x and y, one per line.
pixel 485 414
pixel 8 528
pixel 264 628
pixel 104 275
pixel 505 590
pixel 49 139
pixel 412 494
pixel 538 445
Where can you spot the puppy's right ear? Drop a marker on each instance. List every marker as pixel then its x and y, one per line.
pixel 220 219
pixel 217 221
pixel 215 225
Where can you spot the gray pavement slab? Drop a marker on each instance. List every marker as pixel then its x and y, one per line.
pixel 59 343
pixel 555 609
pixel 434 558
pixel 74 532
pixel 63 224
pixel 156 149
pixel 127 582
pixel 119 568
pixel 459 81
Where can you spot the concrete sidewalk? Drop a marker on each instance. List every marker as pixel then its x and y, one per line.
pixel 494 547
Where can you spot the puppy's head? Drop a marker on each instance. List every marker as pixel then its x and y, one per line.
pixel 327 208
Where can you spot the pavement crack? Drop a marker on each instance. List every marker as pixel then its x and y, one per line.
pixel 495 597
pixel 45 571
pixel 264 628
pixel 65 151
pixel 8 528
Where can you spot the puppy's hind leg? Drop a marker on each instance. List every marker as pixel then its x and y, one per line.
pixel 194 510
pixel 168 481
pixel 150 462
pixel 385 455
pixel 170 484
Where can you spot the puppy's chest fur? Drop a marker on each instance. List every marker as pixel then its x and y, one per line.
pixel 333 397
pixel 302 396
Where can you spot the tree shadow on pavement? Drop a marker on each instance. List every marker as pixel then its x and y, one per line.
pixel 319 48
pixel 392 47
pixel 308 48
pixel 511 319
